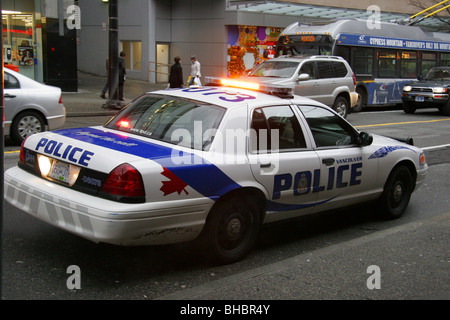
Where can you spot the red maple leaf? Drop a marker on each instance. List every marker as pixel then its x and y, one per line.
pixel 175 184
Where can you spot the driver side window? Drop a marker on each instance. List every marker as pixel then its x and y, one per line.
pixel 328 129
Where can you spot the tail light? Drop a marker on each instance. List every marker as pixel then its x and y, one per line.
pixel 60 99
pixel 354 79
pixel 22 152
pixel 124 184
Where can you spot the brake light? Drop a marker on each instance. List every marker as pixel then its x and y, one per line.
pixel 125 182
pixel 60 99
pixel 22 152
pixel 354 79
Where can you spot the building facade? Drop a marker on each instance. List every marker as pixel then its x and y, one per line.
pixel 49 40
pixel 38 43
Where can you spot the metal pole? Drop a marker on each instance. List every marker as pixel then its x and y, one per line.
pixel 113 75
pixel 2 149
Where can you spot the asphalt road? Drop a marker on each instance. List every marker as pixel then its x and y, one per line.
pixel 326 256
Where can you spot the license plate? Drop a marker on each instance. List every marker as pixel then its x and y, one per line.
pixel 60 171
pixel 420 99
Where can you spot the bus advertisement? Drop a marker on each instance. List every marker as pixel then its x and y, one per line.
pixel 383 59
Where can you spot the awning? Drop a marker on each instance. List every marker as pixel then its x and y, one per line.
pixel 433 23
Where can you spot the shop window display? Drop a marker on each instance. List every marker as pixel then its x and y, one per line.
pixel 246 46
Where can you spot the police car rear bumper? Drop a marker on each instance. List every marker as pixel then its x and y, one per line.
pixel 101 220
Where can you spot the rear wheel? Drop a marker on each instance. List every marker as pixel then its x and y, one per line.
pixel 397 192
pixel 231 230
pixel 362 99
pixel 25 124
pixel 341 106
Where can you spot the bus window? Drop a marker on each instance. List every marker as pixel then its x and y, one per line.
pixel 408 64
pixel 386 63
pixel 428 62
pixel 445 59
pixel 363 61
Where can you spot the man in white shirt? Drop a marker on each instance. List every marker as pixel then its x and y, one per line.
pixel 195 72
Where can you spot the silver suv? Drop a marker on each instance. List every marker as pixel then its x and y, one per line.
pixel 327 79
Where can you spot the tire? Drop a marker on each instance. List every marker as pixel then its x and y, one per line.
pixel 231 230
pixel 409 108
pixel 341 106
pixel 362 98
pixel 397 192
pixel 25 124
pixel 445 110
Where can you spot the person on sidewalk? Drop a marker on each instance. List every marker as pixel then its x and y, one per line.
pixel 122 76
pixel 105 88
pixel 195 72
pixel 176 74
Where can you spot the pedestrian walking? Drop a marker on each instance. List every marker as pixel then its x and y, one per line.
pixel 122 76
pixel 105 88
pixel 195 72
pixel 176 74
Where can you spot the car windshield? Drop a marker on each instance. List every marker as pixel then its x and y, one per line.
pixel 175 120
pixel 438 74
pixel 276 69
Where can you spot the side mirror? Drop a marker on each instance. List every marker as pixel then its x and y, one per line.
pixel 303 77
pixel 365 139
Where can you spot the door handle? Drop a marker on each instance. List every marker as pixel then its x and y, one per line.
pixel 9 96
pixel 328 161
pixel 265 165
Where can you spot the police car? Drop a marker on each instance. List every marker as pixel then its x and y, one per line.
pixel 209 163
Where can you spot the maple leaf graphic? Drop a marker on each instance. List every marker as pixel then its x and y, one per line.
pixel 175 184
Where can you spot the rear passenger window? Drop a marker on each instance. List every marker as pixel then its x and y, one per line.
pixel 339 69
pixel 325 69
pixel 275 129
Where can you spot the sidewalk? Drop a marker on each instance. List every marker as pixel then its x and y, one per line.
pixel 87 101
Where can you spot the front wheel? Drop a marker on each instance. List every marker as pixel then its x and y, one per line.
pixel 397 192
pixel 409 107
pixel 231 230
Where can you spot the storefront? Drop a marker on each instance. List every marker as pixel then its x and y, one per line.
pixel 37 42
pixel 22 51
pixel 246 46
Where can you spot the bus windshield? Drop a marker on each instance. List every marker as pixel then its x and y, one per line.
pixel 304 45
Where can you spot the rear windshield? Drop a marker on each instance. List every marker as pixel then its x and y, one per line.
pixel 275 69
pixel 175 120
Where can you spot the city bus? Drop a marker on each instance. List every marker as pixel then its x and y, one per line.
pixel 383 58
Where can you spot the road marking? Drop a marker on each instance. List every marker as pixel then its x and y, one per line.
pixel 442 146
pixel 397 123
pixel 15 151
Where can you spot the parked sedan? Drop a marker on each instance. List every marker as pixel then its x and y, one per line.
pixel 30 106
pixel 210 163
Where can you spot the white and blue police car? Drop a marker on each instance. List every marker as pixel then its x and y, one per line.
pixel 209 163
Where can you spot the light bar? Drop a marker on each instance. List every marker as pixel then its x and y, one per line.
pixel 240 84
pixel 282 91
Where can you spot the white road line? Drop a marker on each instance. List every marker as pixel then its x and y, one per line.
pixel 442 146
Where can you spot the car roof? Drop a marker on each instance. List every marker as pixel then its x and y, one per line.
pixel 249 97
pixel 301 58
pixel 26 82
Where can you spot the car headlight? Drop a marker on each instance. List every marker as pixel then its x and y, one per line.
pixel 407 88
pixel 439 90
